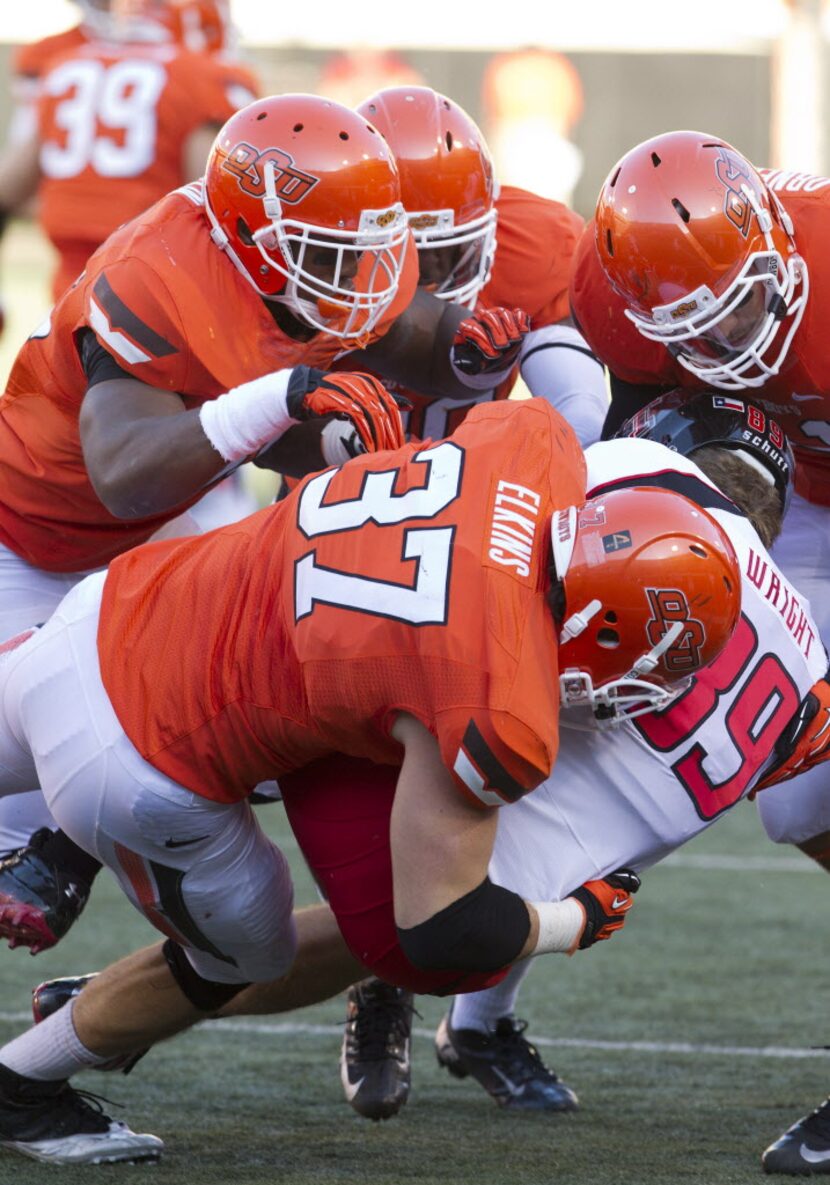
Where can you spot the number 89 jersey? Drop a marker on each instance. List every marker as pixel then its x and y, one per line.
pixel 630 796
pixel 411 581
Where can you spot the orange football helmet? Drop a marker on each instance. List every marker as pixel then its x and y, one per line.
pixel 447 186
pixel 202 26
pixel 303 195
pixel 703 253
pixel 650 592
pixel 96 19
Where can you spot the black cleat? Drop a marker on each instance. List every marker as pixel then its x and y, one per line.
pixel 374 1061
pixel 48 997
pixel 39 901
pixel 505 1064
pixel 804 1148
pixel 50 1121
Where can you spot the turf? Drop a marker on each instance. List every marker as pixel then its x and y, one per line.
pixel 687 1037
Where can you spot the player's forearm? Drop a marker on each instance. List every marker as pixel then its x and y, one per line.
pixel 151 465
pixel 416 350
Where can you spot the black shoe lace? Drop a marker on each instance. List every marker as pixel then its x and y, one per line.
pixel 85 1108
pixel 382 1022
pixel 818 1122
pixel 524 1058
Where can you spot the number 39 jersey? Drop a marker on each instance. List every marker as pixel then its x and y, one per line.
pixel 410 581
pixel 631 795
pixel 112 124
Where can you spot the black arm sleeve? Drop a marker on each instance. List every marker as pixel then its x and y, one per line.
pixel 626 400
pixel 99 366
pixel 482 931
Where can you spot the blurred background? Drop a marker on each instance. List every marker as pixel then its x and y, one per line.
pixel 559 96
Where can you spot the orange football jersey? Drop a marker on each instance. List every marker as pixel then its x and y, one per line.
pixel 30 62
pixel 798 397
pixel 112 124
pixel 175 313
pixel 411 582
pixel 525 275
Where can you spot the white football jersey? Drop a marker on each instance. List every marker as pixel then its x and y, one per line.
pixel 628 796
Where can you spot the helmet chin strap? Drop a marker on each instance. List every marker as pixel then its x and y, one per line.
pixel 577 622
pixel 646 664
pixel 620 699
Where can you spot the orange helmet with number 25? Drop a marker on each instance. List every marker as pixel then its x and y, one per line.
pixel 447 186
pixel 303 194
pixel 703 253
pixel 652 592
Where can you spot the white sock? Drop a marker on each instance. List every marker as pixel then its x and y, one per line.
pixel 51 1050
pixel 481 1010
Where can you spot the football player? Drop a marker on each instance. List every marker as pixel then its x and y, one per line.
pixel 699 269
pixel 121 119
pixel 385 609
pixel 487 247
pixel 194 341
pixel 478 245
pixel 625 797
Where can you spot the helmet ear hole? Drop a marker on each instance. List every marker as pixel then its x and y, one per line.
pixel 243 230
pixel 608 638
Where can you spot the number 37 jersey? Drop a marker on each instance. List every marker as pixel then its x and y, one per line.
pixel 411 581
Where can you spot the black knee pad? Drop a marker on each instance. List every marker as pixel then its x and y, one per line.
pixel 204 994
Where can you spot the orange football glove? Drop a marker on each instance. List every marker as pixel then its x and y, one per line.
pixel 806 739
pixel 360 398
pixel 489 342
pixel 606 902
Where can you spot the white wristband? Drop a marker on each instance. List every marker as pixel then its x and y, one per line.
pixel 339 442
pixel 248 417
pixel 560 925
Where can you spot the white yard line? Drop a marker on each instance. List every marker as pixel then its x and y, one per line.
pixel 292 1029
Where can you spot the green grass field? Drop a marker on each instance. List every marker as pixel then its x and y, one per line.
pixel 687 1037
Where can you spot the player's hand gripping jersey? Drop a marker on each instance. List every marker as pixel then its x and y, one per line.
pixel 799 396
pixel 379 588
pixel 112 124
pixel 524 276
pixel 174 313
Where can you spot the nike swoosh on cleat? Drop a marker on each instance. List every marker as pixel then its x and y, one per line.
pixel 813 1157
pixel 183 843
pixel 350 1088
pixel 515 1091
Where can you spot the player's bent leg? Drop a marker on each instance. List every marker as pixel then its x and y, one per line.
pixel 804 1149
pixel 41 892
pixel 323 968
pixel 375 1062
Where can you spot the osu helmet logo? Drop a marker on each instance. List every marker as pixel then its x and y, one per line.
pixel 733 172
pixel 248 166
pixel 668 606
